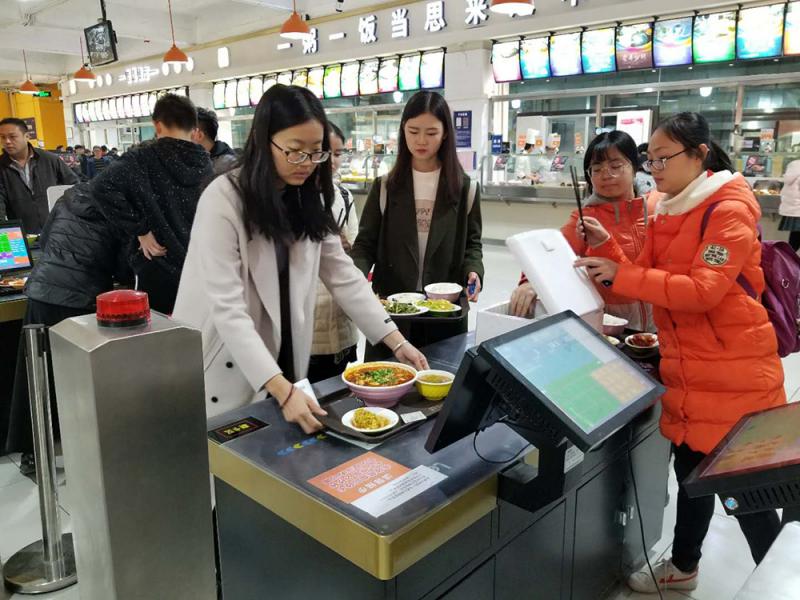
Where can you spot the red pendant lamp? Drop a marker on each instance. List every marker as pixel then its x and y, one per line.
pixel 174 56
pixel 295 28
pixel 84 74
pixel 28 87
pixel 513 7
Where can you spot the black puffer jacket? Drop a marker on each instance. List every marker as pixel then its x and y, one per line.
pixel 155 187
pixel 81 253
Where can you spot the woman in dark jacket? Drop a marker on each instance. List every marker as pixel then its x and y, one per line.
pixel 428 227
pixel 81 257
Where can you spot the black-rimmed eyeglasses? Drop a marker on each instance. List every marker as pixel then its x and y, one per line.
pixel 298 157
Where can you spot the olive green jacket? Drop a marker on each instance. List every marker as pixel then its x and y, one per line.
pixel 389 241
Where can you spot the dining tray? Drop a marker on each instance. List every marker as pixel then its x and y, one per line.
pixel 429 318
pixel 411 402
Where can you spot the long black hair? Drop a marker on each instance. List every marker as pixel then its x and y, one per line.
pixel 598 152
pixel 268 211
pixel 452 173
pixel 690 129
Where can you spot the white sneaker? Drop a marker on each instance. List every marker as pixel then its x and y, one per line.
pixel 668 575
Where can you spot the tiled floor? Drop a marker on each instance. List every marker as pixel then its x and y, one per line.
pixel 726 562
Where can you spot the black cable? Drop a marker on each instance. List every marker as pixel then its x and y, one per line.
pixel 639 515
pixel 495 462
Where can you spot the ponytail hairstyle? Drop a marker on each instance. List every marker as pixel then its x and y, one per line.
pixel 452 172
pixel 691 130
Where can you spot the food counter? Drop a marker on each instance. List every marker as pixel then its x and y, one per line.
pixel 292 523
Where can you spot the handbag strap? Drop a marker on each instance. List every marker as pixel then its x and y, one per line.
pixel 741 279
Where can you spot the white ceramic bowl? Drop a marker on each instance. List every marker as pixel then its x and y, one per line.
pixel 642 349
pixel 406 297
pixel 444 291
pixel 614 326
pixel 385 396
pixel 394 419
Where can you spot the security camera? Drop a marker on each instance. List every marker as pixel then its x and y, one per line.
pixel 339 6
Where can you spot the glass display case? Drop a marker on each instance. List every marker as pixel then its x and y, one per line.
pixel 533 176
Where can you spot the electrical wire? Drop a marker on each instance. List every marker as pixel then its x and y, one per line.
pixel 639 516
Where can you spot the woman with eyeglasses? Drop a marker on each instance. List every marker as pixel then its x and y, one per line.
pixel 610 164
pixel 263 236
pixel 422 222
pixel 719 352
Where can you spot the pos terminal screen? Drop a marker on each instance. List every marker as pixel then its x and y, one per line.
pixel 14 254
pixel 587 383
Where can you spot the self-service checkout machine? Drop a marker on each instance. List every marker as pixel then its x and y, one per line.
pixel 133 429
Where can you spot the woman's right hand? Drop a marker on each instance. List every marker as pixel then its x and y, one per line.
pixel 300 409
pixel 150 246
pixel 595 234
pixel 523 300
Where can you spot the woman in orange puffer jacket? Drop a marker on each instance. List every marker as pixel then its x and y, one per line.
pixel 719 352
pixel 610 163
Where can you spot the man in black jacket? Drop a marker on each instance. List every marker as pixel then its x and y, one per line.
pixel 25 174
pixel 222 156
pixel 151 193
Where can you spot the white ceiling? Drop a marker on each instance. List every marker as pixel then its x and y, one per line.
pixel 50 30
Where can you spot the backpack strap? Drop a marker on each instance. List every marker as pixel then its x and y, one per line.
pixel 741 279
pixel 382 195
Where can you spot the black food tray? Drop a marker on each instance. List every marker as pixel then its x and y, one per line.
pixel 411 402
pixel 429 318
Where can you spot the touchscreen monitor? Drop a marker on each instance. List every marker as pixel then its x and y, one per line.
pixel 14 253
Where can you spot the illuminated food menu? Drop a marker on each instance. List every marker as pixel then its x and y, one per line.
pixel 534 58
pixel 597 51
pixel 431 70
pixel 153 100
pixel 315 77
pixel 388 75
pixel 256 90
pixel 78 110
pixel 285 78
pixel 791 29
pixel 565 54
pixel 104 110
pixel 672 42
pixel 136 106
pixel 759 33
pixel 714 37
pixel 219 95
pixel 368 77
pixel 409 72
pixel 505 62
pixel 144 100
pixel 350 79
pixel 269 81
pixel 635 46
pixel 230 94
pixel 332 81
pixel 127 107
pixel 300 78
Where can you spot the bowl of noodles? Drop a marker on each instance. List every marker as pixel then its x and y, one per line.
pixel 371 419
pixel 380 383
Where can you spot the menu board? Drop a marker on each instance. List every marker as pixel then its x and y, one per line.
pixel 760 32
pixel 78 108
pixel 285 78
pixel 368 77
pixel 388 74
pixel 152 101
pixel 350 79
pixel 505 62
pixel 230 94
pixel 300 78
pixel 565 54
pixel 791 29
pixel 120 107
pixel 635 46
pixel 672 42
pixel 136 106
pixel 144 102
pixel 714 37
pixel 269 81
pixel 104 112
pixel 90 112
pixel 332 81
pixel 219 95
pixel 534 58
pixel 409 72
pixel 315 77
pixel 243 92
pixel 256 90
pixel 597 51
pixel 431 70
pixel 127 107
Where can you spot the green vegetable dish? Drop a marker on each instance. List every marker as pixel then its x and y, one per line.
pixel 401 308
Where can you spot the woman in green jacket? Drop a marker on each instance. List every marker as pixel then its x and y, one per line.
pixel 422 222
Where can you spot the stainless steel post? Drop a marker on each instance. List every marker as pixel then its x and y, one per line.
pixel 47 564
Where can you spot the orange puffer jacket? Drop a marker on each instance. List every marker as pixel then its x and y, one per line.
pixel 719 357
pixel 626 221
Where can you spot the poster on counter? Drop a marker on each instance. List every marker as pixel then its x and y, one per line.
pixel 462 120
pixel 672 42
pixel 635 46
pixel 759 33
pixel 357 477
pixel 714 37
